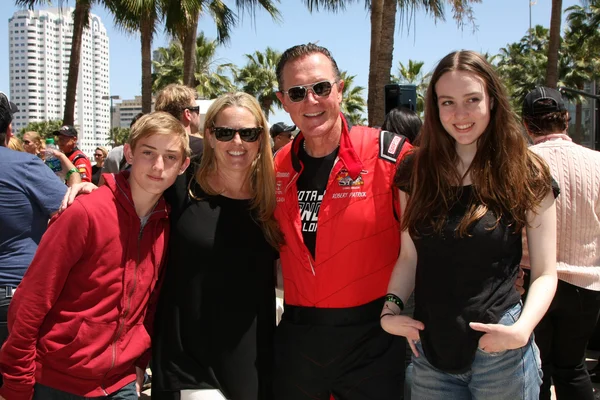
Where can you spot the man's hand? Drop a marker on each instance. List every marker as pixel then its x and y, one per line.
pixel 2 398
pixel 139 380
pixel 74 191
pixel 500 337
pixel 401 325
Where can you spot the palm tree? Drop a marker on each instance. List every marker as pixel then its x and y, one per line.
pixel 209 78
pixel 582 42
pixel 412 74
pixel 168 66
pixel 522 65
pixel 554 44
pixel 182 23
pixel 383 17
pixel 80 21
pixel 141 16
pixel 353 102
pixel 259 79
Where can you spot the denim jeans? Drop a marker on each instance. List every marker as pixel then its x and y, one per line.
pixel 507 375
pixel 42 392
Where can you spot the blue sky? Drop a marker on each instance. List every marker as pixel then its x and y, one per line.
pixel 346 35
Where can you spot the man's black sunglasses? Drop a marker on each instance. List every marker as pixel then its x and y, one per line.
pixel 298 93
pixel 195 109
pixel 225 134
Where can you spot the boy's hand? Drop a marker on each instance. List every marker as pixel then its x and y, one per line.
pixel 139 380
pixel 74 191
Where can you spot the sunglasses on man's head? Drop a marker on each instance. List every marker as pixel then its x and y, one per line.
pixel 225 134
pixel 298 93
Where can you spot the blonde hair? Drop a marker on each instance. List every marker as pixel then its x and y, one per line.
pixel 159 123
pixel 15 144
pixel 103 150
pixel 262 171
pixel 36 139
pixel 174 99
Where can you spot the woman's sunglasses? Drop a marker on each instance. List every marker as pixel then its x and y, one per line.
pixel 98 155
pixel 298 93
pixel 225 134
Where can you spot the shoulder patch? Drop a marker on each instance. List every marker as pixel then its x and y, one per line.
pixel 390 145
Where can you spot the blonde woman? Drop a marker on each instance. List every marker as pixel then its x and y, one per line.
pixel 99 156
pixel 216 313
pixel 33 144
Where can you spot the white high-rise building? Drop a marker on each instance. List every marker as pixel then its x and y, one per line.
pixel 39 53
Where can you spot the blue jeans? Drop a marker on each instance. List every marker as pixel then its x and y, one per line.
pixel 42 392
pixel 507 375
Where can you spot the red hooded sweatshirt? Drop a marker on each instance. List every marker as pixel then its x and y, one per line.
pixel 80 319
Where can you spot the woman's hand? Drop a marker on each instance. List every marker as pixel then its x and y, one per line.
pixel 499 337
pixel 401 325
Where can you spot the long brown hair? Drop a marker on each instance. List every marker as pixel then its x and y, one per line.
pixel 262 171
pixel 507 178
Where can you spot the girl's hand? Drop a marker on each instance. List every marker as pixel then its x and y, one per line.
pixel 500 337
pixel 401 325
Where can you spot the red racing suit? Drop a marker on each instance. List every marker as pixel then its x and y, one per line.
pixel 358 233
pixel 82 163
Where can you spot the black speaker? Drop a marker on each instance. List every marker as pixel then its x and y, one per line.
pixel 400 95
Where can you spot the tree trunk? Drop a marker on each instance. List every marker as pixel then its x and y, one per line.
pixel 80 20
pixel 189 51
pixel 384 62
pixel 554 44
pixel 146 30
pixel 376 21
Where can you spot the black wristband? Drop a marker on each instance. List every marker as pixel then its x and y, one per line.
pixel 392 298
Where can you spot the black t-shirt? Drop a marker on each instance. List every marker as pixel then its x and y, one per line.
pixel 311 184
pixel 96 172
pixel 196 145
pixel 216 314
pixel 462 279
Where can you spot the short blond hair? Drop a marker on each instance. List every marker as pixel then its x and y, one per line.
pixel 159 123
pixel 36 139
pixel 174 98
pixel 15 144
pixel 104 151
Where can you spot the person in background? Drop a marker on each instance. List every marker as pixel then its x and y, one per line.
pixel 180 102
pixel 33 144
pixel 466 193
pixel 281 134
pixel 80 323
pixel 222 253
pixel 30 193
pixel 15 144
pixel 67 143
pixel 562 335
pixel 403 121
pixel 100 155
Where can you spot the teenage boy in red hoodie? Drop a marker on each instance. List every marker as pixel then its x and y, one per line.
pixel 79 322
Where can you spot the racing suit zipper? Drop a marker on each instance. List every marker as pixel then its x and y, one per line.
pixel 125 312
